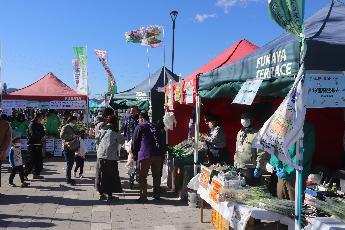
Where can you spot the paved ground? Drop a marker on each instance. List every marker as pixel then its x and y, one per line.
pixel 50 204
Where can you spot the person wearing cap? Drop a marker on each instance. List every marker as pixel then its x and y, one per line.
pixel 250 162
pixel 36 134
pixel 16 162
pixel 148 151
pixel 5 139
pixel 70 143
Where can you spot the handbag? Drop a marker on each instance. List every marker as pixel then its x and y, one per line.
pixel 73 145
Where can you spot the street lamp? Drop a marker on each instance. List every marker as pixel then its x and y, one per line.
pixel 173 15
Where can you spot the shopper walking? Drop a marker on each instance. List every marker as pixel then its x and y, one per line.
pixel 107 173
pixel 70 143
pixel 148 150
pixel 16 162
pixel 131 121
pixel 36 134
pixel 5 140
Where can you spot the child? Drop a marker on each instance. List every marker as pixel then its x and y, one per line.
pixel 16 162
pixel 79 159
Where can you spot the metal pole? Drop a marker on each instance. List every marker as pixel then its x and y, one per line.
pixel 173 48
pixel 196 134
pixel 299 184
pixel 173 15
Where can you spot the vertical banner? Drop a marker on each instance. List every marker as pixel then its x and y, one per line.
pixel 80 54
pixel 103 58
pixel 285 126
pixel 76 72
pixel 288 14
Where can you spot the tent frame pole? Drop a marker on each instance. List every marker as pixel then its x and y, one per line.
pixel 197 124
pixel 299 184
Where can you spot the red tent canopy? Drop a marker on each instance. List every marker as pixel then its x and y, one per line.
pixel 183 112
pixel 235 52
pixel 48 88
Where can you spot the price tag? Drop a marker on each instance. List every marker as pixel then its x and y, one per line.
pixel 204 177
pixel 216 187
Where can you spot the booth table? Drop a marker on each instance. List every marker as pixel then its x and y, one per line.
pixel 325 223
pixel 239 215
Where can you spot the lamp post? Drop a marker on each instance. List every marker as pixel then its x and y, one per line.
pixel 173 15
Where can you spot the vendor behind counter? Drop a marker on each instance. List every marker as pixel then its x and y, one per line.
pixel 215 141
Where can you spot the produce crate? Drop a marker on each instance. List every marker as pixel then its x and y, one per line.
pixel 218 222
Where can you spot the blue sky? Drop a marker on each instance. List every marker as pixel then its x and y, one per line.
pixel 37 36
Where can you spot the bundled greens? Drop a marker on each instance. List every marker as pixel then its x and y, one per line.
pixel 183 153
pixel 258 197
pixel 333 206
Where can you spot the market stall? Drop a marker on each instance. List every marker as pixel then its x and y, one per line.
pixel 49 92
pixel 147 95
pixel 181 98
pixel 267 74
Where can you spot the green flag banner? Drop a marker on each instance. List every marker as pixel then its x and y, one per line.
pixel 80 54
pixel 288 14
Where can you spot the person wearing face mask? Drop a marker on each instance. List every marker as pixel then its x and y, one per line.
pixel 35 134
pixel 70 143
pixel 215 141
pixel 250 162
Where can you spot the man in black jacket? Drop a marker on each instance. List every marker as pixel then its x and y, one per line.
pixel 35 138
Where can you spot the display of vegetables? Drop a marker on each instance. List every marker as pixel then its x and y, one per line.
pixel 334 206
pixel 183 153
pixel 258 197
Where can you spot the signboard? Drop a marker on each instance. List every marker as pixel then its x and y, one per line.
pixel 247 92
pixel 50 145
pixel 9 104
pixel 216 187
pixel 188 86
pixel 204 179
pixel 90 145
pixel 67 104
pixel 24 144
pixel 142 96
pixel 58 148
pixel 325 90
pixel 279 61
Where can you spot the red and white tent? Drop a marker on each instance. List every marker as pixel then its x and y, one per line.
pixel 50 91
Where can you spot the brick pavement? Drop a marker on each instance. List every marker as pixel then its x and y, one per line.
pixel 50 204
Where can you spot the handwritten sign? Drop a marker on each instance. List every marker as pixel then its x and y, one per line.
pixel 204 177
pixel 24 144
pixel 216 187
pixel 90 145
pixel 325 90
pixel 247 92
pixel 50 145
pixel 58 148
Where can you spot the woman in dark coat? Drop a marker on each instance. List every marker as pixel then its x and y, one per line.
pixel 107 173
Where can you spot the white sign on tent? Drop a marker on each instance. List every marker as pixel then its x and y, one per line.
pixel 325 89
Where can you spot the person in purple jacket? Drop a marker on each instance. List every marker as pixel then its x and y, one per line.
pixel 148 151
